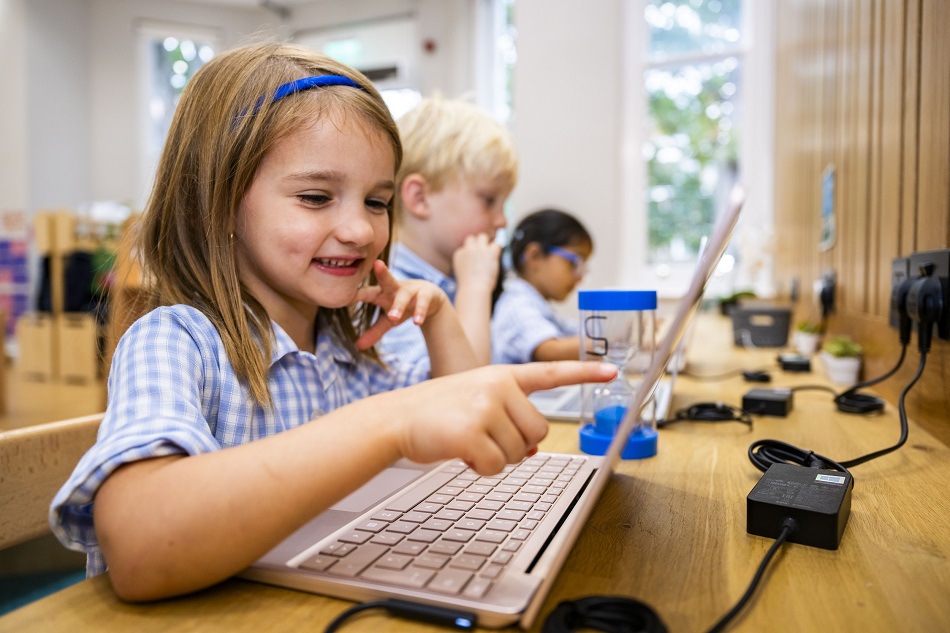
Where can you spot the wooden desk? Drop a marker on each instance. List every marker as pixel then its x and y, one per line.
pixel 669 531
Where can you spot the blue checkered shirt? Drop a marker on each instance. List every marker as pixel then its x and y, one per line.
pixel 405 341
pixel 522 320
pixel 172 390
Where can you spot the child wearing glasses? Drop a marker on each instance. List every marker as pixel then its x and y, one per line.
pixel 250 398
pixel 459 167
pixel 549 251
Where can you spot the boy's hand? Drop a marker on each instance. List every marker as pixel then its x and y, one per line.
pixel 399 301
pixel 483 416
pixel 476 261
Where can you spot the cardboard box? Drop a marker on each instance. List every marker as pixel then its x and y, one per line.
pixel 77 347
pixel 34 336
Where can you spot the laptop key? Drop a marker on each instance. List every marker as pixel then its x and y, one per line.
pixel 413 577
pixel 409 548
pixel 318 563
pixel 338 549
pixel 394 561
pixel 445 547
pixel 356 536
pixel 417 494
pixel 449 515
pixel 358 560
pixel 450 581
pixel 464 561
pixel 431 561
pixel 477 588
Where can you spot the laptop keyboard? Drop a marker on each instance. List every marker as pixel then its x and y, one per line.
pixel 455 537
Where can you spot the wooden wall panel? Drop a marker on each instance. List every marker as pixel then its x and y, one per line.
pixel 911 127
pixel 888 179
pixel 865 85
pixel 933 227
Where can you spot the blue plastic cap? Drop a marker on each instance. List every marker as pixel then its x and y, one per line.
pixel 640 444
pixel 616 299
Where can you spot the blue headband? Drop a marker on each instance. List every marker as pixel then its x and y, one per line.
pixel 313 82
pixel 299 85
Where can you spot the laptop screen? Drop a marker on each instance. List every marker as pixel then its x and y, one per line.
pixel 709 259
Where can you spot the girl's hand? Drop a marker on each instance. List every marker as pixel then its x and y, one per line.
pixel 482 416
pixel 476 262
pixel 399 301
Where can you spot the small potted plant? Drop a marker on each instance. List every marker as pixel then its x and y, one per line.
pixel 728 303
pixel 842 359
pixel 806 337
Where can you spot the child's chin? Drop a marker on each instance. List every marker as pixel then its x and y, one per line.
pixel 337 301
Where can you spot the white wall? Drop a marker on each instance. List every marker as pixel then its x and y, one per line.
pixel 13 108
pixel 57 90
pixel 116 107
pixel 71 109
pixel 449 24
pixel 567 119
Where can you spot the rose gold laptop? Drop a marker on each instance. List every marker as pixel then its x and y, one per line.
pixel 444 535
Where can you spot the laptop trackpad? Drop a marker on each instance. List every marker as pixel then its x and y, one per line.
pixel 375 490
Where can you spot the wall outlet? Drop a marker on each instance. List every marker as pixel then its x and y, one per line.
pixel 900 270
pixel 941 262
pixel 824 289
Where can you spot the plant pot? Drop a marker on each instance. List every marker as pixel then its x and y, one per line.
pixel 806 343
pixel 841 370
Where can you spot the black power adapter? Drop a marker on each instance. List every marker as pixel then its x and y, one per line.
pixel 819 500
pixel 777 402
pixel 794 362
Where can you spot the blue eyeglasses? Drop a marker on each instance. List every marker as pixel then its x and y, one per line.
pixel 577 262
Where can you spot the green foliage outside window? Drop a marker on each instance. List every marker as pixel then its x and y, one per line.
pixel 693 88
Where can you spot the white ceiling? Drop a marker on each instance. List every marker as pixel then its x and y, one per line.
pixel 255 3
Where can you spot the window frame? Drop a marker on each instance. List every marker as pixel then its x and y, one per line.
pixel 756 146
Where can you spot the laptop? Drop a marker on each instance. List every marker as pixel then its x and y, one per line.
pixel 563 404
pixel 444 535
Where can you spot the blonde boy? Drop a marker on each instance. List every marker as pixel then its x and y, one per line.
pixel 459 167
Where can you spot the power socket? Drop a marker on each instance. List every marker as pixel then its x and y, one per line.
pixel 824 289
pixel 940 259
pixel 900 272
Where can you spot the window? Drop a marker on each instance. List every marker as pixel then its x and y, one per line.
pixel 173 62
pixel 172 56
pixel 496 57
pixel 689 130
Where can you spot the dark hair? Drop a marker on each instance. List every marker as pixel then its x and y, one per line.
pixel 548 228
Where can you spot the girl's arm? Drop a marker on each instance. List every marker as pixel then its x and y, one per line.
pixel 449 348
pixel 173 525
pixel 475 266
pixel 561 348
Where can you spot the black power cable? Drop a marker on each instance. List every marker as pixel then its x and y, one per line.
pixel 709 412
pixel 444 616
pixel 611 614
pixel 764 453
pixel 789 525
pixel 850 401
pixel 618 614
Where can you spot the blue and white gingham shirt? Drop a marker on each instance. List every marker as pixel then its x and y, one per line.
pixel 405 341
pixel 172 390
pixel 522 320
